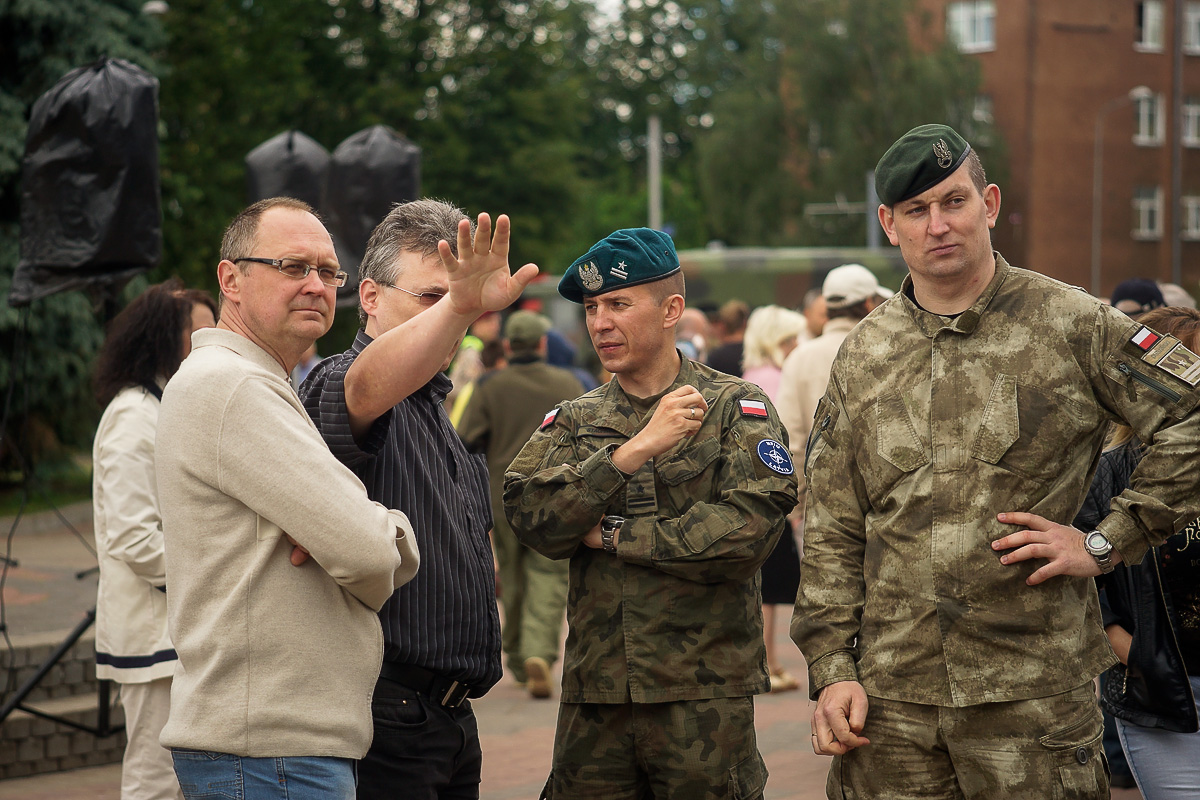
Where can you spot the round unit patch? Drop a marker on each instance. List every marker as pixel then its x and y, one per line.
pixel 776 456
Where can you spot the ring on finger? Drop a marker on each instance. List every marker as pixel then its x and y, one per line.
pixel 692 412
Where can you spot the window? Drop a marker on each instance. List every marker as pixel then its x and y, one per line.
pixel 1147 212
pixel 972 25
pixel 1191 28
pixel 1149 27
pixel 1149 121
pixel 1191 120
pixel 1191 217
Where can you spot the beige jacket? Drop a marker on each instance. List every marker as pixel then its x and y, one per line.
pixel 274 660
pixel 132 645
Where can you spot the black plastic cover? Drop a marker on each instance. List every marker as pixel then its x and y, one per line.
pixel 290 164
pixel 372 170
pixel 90 207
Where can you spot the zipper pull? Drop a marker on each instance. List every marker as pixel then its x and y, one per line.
pixel 1129 387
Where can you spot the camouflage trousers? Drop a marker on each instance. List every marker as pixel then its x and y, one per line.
pixel 533 591
pixel 694 749
pixel 1047 747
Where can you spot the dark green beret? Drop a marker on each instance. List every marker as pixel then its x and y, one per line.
pixel 918 161
pixel 623 258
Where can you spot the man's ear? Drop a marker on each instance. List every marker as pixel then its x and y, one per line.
pixel 887 220
pixel 673 308
pixel 229 279
pixel 368 296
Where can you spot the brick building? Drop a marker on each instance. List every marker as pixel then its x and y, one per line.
pixel 1057 72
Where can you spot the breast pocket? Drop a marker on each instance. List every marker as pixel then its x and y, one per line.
pixel 687 471
pixel 1025 429
pixel 895 451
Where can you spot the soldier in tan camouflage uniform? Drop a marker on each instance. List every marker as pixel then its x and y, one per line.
pixel 949 618
pixel 665 645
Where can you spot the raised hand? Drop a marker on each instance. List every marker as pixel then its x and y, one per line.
pixel 479 279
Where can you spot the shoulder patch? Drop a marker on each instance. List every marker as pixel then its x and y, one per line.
pixel 548 420
pixel 1145 338
pixel 1172 357
pixel 753 408
pixel 775 456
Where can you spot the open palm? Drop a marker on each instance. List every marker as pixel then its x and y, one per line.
pixel 480 280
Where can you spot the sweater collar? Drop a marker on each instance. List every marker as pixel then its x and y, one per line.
pixel 219 337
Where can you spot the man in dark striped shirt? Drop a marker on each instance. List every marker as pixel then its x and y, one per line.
pixel 379 407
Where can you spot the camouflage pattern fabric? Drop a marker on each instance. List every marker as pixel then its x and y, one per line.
pixel 694 749
pixel 675 614
pixel 1020 750
pixel 929 428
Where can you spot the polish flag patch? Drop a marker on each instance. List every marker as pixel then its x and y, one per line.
pixel 1145 338
pixel 548 420
pixel 753 408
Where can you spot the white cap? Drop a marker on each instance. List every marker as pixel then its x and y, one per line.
pixel 849 285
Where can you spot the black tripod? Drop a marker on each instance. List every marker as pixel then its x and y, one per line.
pixel 104 726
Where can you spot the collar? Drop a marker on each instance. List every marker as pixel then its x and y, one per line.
pixel 219 337
pixel 616 399
pixel 966 322
pixel 438 386
pixel 838 325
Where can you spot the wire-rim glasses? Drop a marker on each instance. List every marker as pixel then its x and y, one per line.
pixel 298 270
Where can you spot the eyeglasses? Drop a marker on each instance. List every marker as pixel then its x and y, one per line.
pixel 299 270
pixel 424 298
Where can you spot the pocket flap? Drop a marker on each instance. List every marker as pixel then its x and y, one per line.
pixel 688 463
pixel 1001 425
pixel 898 443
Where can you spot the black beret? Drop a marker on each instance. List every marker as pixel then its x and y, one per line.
pixel 918 161
pixel 623 258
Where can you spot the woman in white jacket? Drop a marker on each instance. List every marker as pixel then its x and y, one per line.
pixel 143 348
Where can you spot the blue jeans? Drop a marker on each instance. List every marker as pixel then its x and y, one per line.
pixel 1165 764
pixel 205 775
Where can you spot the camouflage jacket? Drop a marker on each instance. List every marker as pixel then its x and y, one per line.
pixel 930 427
pixel 676 613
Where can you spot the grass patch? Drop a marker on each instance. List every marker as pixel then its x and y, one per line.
pixel 53 485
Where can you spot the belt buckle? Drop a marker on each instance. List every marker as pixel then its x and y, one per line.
pixel 455 695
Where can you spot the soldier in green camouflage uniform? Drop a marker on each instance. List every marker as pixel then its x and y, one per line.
pixel 664 649
pixel 947 613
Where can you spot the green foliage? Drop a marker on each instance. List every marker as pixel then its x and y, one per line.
pixel 46 355
pixel 814 108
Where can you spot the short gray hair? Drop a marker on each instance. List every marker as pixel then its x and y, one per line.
pixel 414 227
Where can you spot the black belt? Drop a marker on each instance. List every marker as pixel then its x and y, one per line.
pixel 442 691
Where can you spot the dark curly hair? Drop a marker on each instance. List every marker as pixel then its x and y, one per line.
pixel 145 340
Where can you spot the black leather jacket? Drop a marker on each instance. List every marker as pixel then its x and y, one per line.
pixel 1153 689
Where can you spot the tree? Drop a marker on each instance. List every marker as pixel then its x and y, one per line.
pixel 842 80
pixel 479 86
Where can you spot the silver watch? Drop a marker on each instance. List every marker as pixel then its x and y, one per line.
pixel 1100 548
pixel 608 532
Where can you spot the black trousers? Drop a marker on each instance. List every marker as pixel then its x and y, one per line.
pixel 421 750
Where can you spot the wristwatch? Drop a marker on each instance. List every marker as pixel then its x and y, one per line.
pixel 1100 548
pixel 608 532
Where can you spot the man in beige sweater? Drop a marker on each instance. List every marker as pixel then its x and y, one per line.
pixel 276 560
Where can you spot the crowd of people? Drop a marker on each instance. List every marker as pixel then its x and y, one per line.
pixel 301 558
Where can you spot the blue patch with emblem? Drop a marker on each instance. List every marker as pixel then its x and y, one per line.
pixel 776 456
